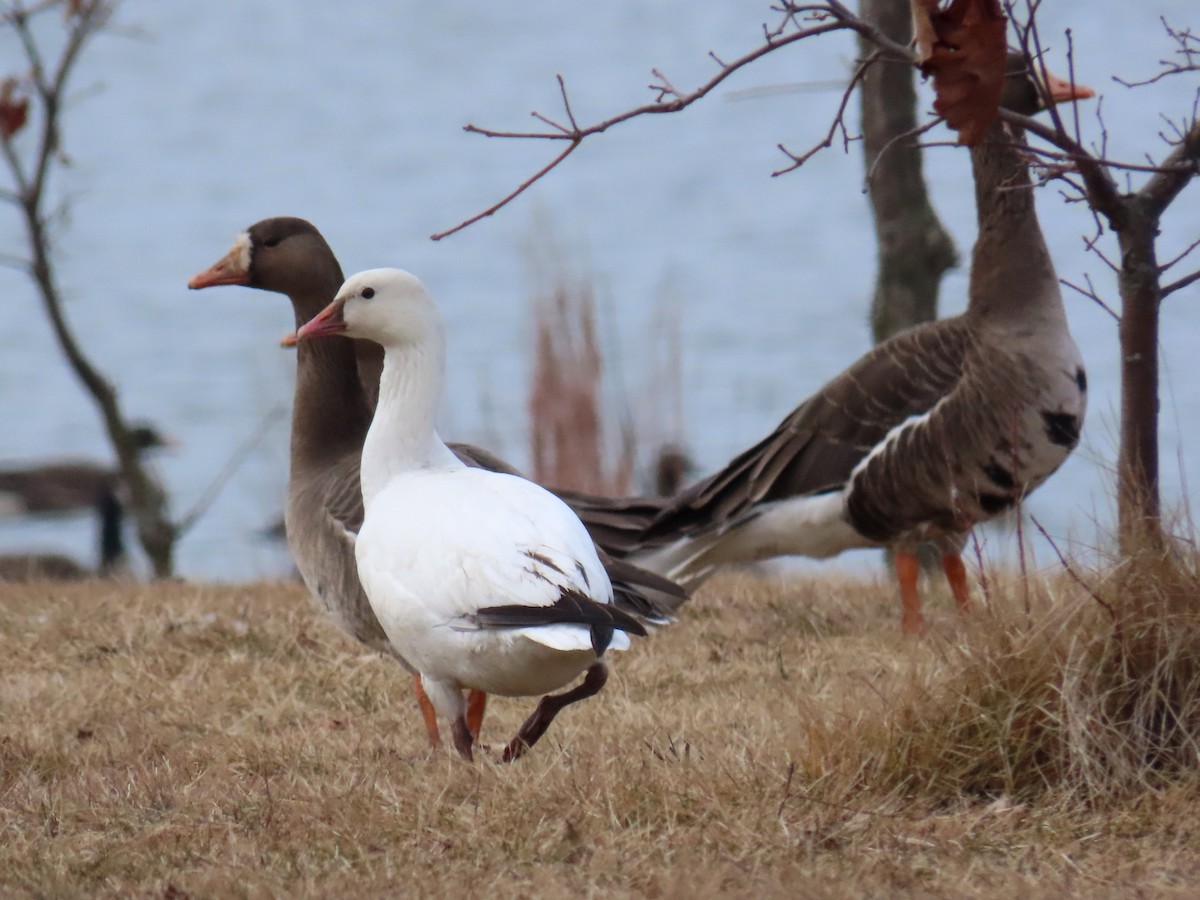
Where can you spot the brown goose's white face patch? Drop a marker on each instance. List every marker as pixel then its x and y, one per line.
pixel 242 248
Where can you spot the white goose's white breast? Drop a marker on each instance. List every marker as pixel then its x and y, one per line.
pixel 437 546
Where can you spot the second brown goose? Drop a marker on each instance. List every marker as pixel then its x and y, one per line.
pixel 68 485
pixel 931 432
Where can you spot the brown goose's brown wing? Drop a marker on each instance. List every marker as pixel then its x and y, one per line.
pixel 343 501
pixel 816 448
pixel 478 458
pixel 615 523
pixel 647 595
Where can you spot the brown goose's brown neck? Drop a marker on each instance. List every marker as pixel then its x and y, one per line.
pixel 1012 276
pixel 330 415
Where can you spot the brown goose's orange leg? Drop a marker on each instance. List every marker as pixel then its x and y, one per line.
pixel 956 574
pixel 907 568
pixel 476 705
pixel 428 713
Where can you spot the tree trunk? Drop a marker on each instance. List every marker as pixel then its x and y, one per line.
pixel 914 248
pixel 1139 508
pixel 147 500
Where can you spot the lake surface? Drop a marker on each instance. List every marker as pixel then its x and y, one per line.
pixel 191 121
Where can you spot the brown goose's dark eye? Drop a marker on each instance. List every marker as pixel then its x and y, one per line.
pixel 271 242
pixel 368 293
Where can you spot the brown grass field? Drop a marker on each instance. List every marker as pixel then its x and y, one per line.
pixel 185 740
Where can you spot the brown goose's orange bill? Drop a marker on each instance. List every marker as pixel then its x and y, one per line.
pixel 232 268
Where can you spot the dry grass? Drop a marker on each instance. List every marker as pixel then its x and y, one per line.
pixel 781 740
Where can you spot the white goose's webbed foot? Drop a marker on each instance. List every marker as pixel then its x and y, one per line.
pixel 549 707
pixel 463 739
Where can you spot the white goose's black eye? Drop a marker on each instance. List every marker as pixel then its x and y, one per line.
pixel 368 293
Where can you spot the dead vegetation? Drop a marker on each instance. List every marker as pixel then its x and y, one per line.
pixel 782 739
pixel 568 430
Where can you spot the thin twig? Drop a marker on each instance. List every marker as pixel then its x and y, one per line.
pixel 236 459
pixel 1189 49
pixel 1075 576
pixel 1187 250
pixel 839 121
pixel 916 132
pixel 521 188
pixel 575 134
pixel 1179 285
pixel 1090 293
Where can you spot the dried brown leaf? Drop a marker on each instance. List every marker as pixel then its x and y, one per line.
pixel 963 47
pixel 924 35
pixel 14 109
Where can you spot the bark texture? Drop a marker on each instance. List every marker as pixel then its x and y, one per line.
pixel 914 250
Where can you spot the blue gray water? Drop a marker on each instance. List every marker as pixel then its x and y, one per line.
pixel 194 120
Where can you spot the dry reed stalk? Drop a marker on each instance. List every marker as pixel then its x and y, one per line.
pixel 566 404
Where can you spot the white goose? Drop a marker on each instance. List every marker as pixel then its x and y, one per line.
pixel 481 580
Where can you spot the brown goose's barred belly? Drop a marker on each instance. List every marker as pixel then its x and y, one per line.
pixel 975 454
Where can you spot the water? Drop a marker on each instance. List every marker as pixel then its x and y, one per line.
pixel 194 121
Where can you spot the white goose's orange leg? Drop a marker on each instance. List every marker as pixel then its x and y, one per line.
pixel 912 622
pixel 476 705
pixel 428 713
pixel 956 574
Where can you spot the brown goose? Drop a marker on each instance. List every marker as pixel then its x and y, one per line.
pixel 337 384
pixel 941 427
pixel 66 486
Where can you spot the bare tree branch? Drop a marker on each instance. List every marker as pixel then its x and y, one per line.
pixel 839 121
pixel 916 132
pixel 1181 165
pixel 1093 244
pixel 1188 48
pixel 669 99
pixel 500 204
pixel 1181 257
pixel 1179 285
pixel 1090 293
pixel 84 19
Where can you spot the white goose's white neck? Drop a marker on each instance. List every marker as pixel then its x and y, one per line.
pixel 402 437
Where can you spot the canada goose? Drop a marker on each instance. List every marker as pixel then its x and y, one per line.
pixel 66 486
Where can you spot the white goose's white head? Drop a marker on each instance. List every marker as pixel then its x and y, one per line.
pixel 388 306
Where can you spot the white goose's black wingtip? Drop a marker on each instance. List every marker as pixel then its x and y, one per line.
pixel 571 608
